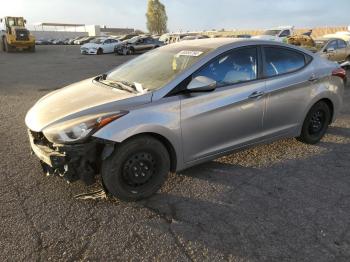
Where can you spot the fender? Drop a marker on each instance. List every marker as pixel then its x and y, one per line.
pixel 163 120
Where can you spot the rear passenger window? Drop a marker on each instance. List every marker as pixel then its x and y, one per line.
pixel 341 44
pixel 281 61
pixel 231 68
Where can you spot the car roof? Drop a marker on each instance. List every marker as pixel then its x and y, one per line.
pixel 214 43
pixel 228 43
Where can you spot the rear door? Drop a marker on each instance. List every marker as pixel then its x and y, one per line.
pixel 289 80
pixel 341 51
pixel 231 115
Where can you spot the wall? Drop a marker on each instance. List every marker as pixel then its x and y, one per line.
pixel 56 34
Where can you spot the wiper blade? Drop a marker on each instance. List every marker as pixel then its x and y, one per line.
pixel 118 85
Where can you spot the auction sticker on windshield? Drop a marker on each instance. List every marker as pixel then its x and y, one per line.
pixel 189 53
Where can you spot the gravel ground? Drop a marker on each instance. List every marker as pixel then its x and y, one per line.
pixel 284 201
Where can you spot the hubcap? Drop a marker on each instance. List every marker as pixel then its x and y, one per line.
pixel 317 122
pixel 139 169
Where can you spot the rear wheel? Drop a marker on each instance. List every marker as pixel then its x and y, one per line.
pixel 136 169
pixel 316 123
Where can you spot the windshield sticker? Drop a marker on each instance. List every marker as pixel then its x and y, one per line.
pixel 189 53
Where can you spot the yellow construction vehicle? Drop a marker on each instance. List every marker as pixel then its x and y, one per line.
pixel 15 35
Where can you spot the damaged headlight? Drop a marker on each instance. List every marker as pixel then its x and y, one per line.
pixel 78 129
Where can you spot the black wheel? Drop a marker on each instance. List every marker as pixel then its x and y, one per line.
pixel 315 124
pixel 2 44
pixel 136 169
pixel 7 48
pixel 99 51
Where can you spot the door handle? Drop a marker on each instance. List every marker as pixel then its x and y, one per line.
pixel 313 78
pixel 256 94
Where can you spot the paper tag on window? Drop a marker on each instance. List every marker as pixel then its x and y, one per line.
pixel 189 53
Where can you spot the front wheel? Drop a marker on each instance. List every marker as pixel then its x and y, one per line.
pixel 136 169
pixel 316 123
pixel 99 51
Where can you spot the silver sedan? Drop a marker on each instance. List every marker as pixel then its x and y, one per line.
pixel 181 105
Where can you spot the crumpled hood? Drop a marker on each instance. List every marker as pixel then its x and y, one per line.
pixel 90 45
pixel 80 99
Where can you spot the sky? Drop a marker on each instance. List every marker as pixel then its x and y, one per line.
pixel 185 14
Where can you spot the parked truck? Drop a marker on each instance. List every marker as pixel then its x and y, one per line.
pixel 15 36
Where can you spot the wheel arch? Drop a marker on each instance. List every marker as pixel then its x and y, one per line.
pixel 109 147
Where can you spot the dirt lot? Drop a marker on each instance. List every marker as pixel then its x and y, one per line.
pixel 280 202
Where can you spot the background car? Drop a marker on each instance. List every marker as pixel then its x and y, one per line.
pixel 333 49
pixel 138 44
pixel 127 37
pixel 194 37
pixel 84 40
pixel 100 46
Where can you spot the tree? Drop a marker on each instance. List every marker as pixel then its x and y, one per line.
pixel 156 17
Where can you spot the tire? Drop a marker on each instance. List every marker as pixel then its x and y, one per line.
pixel 6 46
pixel 99 51
pixel 137 169
pixel 2 44
pixel 31 49
pixel 315 124
pixel 131 51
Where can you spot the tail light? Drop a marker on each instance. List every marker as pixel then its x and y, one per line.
pixel 340 72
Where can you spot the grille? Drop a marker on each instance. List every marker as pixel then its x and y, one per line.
pixel 22 35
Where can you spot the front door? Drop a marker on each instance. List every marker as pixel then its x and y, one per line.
pixel 230 116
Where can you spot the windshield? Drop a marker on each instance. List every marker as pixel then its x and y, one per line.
pixel 272 32
pixel 157 68
pixel 319 44
pixel 15 21
pixel 133 39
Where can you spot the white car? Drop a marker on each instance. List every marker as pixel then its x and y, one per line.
pixel 278 34
pixel 345 35
pixel 100 46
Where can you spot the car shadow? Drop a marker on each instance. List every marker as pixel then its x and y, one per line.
pixel 274 212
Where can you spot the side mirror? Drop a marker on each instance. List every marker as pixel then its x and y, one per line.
pixel 330 50
pixel 201 84
pixel 0 20
pixel 25 21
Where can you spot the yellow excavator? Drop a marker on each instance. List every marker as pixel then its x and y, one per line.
pixel 15 35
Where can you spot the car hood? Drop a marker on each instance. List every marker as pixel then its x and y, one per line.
pixel 90 45
pixel 80 99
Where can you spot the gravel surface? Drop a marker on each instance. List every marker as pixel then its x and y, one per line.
pixel 285 201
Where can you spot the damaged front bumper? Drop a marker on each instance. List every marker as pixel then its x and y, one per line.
pixel 72 162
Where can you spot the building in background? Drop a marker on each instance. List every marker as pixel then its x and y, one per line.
pixel 64 30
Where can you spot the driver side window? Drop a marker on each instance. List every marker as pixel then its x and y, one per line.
pixel 233 67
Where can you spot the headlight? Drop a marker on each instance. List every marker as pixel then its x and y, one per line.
pixel 93 48
pixel 75 130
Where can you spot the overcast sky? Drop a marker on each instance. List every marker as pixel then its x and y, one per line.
pixel 185 14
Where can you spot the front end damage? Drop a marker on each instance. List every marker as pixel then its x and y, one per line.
pixel 72 162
